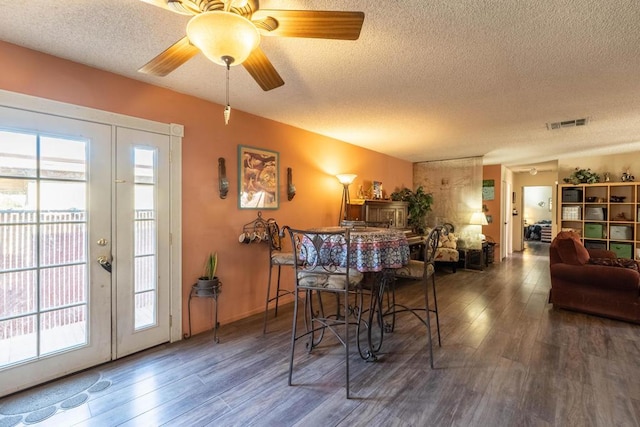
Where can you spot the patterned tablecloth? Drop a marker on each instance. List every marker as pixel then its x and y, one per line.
pixel 375 249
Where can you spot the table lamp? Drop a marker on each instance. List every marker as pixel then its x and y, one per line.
pixel 479 218
pixel 345 179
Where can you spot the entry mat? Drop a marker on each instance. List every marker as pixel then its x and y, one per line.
pixel 41 402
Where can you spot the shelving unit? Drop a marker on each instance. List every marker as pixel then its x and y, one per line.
pixel 606 215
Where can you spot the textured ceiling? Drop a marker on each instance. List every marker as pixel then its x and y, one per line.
pixel 425 81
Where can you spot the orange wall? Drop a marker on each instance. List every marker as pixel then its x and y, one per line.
pixel 493 172
pixel 210 223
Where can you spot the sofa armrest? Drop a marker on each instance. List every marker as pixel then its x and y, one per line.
pixel 624 279
pixel 601 253
pixel 446 255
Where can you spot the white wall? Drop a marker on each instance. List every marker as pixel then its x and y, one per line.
pixel 506 204
pixel 536 204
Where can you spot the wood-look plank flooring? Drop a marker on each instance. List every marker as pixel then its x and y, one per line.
pixel 508 359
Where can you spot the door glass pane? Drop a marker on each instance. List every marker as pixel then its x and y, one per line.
pixel 62 286
pixel 18 294
pixel 43 244
pixel 145 250
pixel 62 158
pixel 17 154
pixel 63 329
pixel 18 340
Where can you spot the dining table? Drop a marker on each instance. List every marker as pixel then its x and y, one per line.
pixel 377 253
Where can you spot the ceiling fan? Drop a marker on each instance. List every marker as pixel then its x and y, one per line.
pixel 228 33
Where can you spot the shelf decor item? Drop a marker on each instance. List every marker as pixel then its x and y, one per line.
pixel 627 177
pixel 582 176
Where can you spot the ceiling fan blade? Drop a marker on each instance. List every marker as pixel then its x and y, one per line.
pixel 173 57
pixel 262 70
pixel 310 23
pixel 184 7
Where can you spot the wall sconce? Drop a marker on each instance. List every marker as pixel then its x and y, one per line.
pixel 345 179
pixel 223 182
pixel 291 189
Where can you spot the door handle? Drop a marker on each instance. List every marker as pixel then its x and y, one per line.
pixel 104 263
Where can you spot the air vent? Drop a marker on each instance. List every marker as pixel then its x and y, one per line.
pixel 567 124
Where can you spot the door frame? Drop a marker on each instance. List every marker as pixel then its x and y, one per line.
pixel 174 131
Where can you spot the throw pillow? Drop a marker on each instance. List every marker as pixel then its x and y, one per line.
pixel 572 251
pixel 615 262
pixel 448 241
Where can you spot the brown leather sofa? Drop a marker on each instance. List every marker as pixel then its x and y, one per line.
pixel 593 281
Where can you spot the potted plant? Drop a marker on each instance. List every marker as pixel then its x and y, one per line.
pixel 419 204
pixel 582 176
pixel 208 283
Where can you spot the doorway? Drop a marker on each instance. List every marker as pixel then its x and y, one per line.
pixel 537 217
pixel 85 247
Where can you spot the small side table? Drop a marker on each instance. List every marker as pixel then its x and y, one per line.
pixel 475 259
pixel 206 292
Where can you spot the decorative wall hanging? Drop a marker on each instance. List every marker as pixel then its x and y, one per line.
pixel 223 182
pixel 291 189
pixel 258 180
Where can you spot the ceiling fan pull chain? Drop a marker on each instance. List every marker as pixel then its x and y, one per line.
pixel 227 110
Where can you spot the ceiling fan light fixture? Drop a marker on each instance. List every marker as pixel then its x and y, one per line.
pixel 239 3
pixel 221 34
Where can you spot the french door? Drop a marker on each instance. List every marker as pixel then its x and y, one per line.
pixel 142 236
pixel 84 245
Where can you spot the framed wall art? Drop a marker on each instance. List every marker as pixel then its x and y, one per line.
pixel 258 180
pixel 488 189
pixel 376 190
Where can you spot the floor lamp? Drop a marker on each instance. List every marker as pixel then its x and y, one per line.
pixel 345 179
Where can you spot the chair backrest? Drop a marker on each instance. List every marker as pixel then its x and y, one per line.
pixel 431 244
pixel 322 251
pixel 275 240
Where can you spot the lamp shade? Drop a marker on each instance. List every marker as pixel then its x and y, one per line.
pixel 346 178
pixel 478 218
pixel 218 34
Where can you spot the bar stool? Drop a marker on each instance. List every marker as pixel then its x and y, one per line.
pixel 423 271
pixel 277 258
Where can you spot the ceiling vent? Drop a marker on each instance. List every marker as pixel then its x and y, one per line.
pixel 567 124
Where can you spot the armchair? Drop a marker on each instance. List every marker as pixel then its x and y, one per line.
pixel 447 252
pixel 593 281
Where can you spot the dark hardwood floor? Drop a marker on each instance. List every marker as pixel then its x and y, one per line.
pixel 508 359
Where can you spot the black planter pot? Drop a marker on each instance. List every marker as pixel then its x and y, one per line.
pixel 207 287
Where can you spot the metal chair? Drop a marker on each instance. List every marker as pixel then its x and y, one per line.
pixel 422 271
pixel 324 267
pixel 277 258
